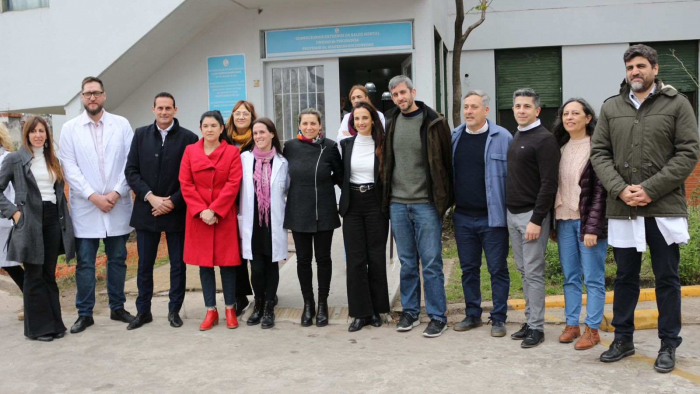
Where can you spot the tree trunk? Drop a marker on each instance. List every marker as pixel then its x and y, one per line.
pixel 460 39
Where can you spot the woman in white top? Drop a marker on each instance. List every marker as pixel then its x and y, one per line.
pixel 262 202
pixel 358 93
pixel 42 227
pixel 13 268
pixel 365 226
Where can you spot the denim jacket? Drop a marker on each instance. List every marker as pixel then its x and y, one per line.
pixel 496 170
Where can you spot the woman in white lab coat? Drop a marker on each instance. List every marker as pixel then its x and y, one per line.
pixel 261 217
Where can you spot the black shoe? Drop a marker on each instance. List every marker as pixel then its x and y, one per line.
pixel 435 329
pixel 241 303
pixel 407 322
pixel 533 339
pixel 42 338
pixel 468 323
pixel 174 319
pixel 140 320
pixel 322 315
pixel 59 335
pixel 268 319
pixel 121 315
pixel 81 324
pixel 617 351
pixel 256 316
pixel 309 312
pixel 521 333
pixel 358 323
pixel 666 360
pixel 276 300
pixel 375 320
pixel 498 328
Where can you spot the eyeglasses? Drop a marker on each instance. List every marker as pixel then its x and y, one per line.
pixel 93 94
pixel 241 114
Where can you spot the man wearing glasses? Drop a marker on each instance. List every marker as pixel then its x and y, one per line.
pixel 93 149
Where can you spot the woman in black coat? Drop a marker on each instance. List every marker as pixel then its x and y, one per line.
pixel 42 230
pixel 365 226
pixel 311 213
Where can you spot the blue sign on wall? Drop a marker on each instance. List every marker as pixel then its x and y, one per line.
pixel 338 39
pixel 226 82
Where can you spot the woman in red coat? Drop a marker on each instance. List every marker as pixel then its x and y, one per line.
pixel 210 176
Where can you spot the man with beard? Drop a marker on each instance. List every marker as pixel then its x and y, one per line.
pixel 418 178
pixel 644 147
pixel 93 149
pixel 152 170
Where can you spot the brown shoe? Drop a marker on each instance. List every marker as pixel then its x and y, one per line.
pixel 589 339
pixel 20 315
pixel 569 334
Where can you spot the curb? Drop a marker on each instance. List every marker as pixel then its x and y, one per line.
pixel 643 320
pixel 644 295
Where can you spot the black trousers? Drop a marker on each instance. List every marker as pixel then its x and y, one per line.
pixel 365 232
pixel 42 306
pixel 243 280
pixel 306 245
pixel 147 243
pixel 265 277
pixel 17 274
pixel 664 262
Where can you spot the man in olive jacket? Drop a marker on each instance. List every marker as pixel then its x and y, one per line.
pixel 152 170
pixel 417 193
pixel 644 147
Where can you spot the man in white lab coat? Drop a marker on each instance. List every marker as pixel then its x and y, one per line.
pixel 93 149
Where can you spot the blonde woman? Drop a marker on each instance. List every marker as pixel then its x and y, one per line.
pixel 13 268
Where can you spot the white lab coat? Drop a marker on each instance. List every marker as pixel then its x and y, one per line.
pixel 279 184
pixel 6 224
pixel 81 169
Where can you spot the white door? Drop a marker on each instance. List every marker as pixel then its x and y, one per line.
pixel 293 85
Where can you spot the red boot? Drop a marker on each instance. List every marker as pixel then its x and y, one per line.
pixel 231 321
pixel 210 320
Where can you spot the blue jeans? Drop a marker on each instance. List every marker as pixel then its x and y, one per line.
pixel 576 260
pixel 86 251
pixel 473 234
pixel 228 285
pixel 417 229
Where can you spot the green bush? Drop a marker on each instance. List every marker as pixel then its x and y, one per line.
pixel 689 268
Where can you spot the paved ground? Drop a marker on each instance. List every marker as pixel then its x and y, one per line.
pixel 290 358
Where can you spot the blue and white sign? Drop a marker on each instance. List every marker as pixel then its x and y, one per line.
pixel 339 39
pixel 226 82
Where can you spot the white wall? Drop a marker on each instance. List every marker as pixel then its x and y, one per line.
pixel 533 23
pixel 593 72
pixel 185 75
pixel 50 50
pixel 480 65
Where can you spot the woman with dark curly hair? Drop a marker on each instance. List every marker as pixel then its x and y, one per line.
pixel 581 227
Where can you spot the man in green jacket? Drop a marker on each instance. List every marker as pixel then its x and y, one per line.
pixel 644 147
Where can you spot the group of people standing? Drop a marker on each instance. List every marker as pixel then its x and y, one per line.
pixel 229 198
pixel 616 180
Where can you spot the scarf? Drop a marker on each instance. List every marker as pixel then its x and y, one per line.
pixel 351 125
pixel 242 139
pixel 262 174
pixel 317 140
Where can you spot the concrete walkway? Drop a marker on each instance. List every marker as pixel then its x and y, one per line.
pixel 289 293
